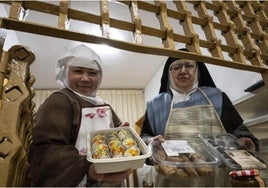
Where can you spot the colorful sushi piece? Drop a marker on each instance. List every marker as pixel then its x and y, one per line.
pixel 123 134
pixel 112 137
pixel 112 134
pixel 96 143
pixel 98 137
pixel 132 151
pixel 101 154
pixel 128 142
pixel 117 150
pixel 100 147
pixel 100 151
pixel 113 142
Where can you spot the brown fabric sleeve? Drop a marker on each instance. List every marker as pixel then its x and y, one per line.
pixel 53 157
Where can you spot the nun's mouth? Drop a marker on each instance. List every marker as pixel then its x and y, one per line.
pixel 183 78
pixel 85 86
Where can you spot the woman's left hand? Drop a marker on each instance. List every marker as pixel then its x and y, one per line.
pixel 247 143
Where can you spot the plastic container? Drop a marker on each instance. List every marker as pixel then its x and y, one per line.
pixel 110 165
pixel 232 154
pixel 199 161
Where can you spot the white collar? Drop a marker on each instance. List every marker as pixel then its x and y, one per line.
pixel 180 97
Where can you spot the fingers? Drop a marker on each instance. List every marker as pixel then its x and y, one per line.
pixel 247 143
pixel 155 140
pixel 124 124
pixel 159 138
pixel 109 177
pixel 115 177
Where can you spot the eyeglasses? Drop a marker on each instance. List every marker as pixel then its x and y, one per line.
pixel 178 67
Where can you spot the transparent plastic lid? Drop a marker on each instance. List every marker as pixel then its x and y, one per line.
pixel 199 154
pixel 233 154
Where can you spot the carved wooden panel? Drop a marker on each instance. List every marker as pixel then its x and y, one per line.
pixel 16 115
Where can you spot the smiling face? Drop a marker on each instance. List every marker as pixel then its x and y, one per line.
pixel 83 80
pixel 183 75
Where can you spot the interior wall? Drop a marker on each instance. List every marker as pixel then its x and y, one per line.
pixel 128 104
pixel 152 88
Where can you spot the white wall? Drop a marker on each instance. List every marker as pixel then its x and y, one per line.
pixel 152 88
pixel 233 82
pixel 2 11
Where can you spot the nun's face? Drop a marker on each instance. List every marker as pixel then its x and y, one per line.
pixel 83 80
pixel 183 74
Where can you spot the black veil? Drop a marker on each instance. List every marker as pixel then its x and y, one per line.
pixel 204 77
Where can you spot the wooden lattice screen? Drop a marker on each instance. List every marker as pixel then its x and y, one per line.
pixel 242 24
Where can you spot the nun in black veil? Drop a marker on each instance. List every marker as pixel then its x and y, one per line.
pixel 189 103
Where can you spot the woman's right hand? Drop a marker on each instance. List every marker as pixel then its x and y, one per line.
pixel 158 138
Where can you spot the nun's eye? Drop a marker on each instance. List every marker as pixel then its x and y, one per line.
pixel 93 72
pixel 77 70
pixel 179 67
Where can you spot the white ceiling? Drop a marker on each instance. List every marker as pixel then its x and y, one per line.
pixel 122 69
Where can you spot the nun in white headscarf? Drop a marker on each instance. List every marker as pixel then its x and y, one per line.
pixel 58 152
pixel 80 56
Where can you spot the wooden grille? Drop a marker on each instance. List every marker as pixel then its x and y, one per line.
pixel 235 36
pixel 242 24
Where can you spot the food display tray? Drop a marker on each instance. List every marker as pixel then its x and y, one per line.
pixel 200 162
pixel 111 165
pixel 235 156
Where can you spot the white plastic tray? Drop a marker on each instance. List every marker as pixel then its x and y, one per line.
pixel 122 163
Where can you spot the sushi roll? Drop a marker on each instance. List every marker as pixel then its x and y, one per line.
pixel 123 134
pixel 132 151
pixel 96 143
pixel 100 151
pixel 117 150
pixel 100 147
pixel 98 137
pixel 112 137
pixel 113 142
pixel 100 154
pixel 112 134
pixel 128 142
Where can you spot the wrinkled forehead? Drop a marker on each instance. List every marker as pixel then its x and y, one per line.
pixel 181 61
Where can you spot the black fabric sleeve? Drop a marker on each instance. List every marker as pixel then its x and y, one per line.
pixel 233 123
pixel 230 118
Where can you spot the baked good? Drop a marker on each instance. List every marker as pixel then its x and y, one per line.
pixel 180 172
pixel 167 170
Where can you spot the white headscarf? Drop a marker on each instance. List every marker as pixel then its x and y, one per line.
pixel 177 95
pixel 79 56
